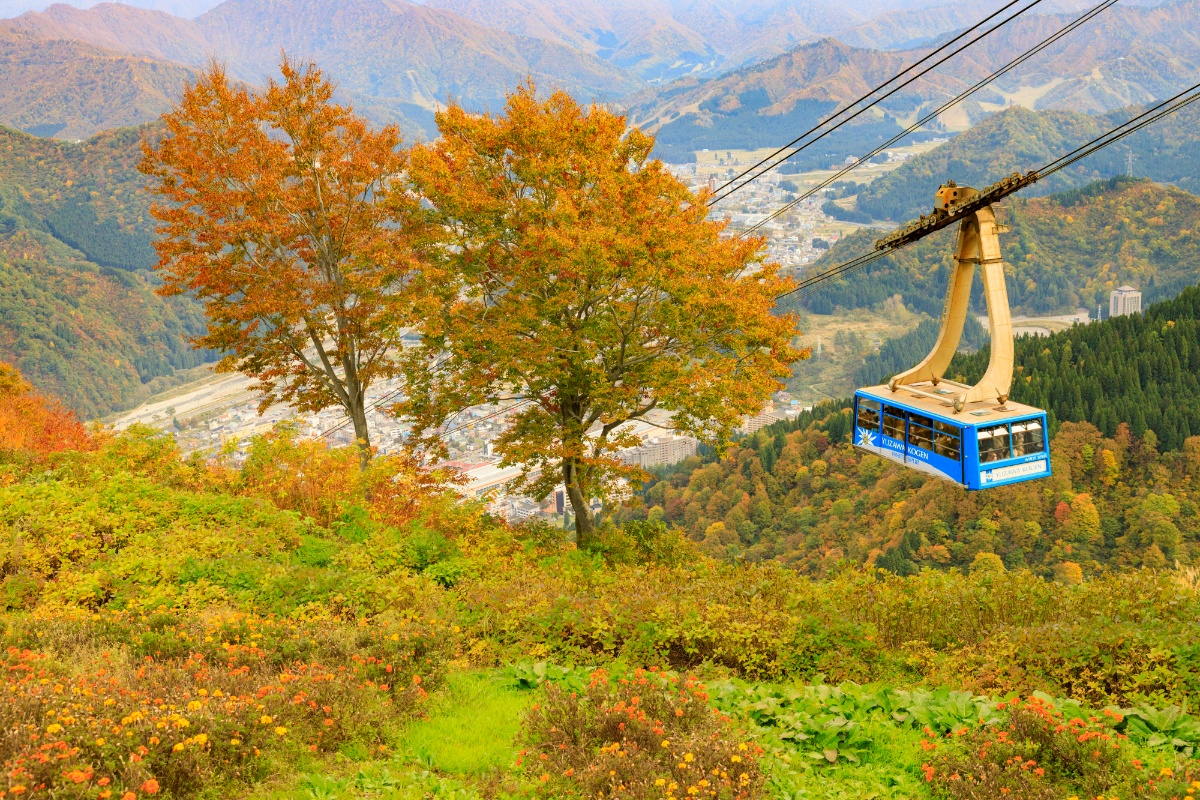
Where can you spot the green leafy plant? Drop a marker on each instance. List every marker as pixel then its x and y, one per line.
pixel 1170 726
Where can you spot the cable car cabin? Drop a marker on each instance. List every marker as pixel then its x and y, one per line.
pixel 971 435
pixel 983 446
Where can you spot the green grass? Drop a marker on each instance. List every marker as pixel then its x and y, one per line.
pixel 468 738
pixel 891 770
pixel 472 728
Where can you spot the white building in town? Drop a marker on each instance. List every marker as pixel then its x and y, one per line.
pixel 1124 301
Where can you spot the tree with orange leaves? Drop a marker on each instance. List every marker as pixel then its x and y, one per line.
pixel 31 424
pixel 589 283
pixel 287 216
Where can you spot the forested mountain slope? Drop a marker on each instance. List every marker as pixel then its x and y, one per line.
pixel 87 194
pixel 1122 494
pixel 73 90
pixel 1018 140
pixel 1143 370
pixel 1063 252
pixel 78 314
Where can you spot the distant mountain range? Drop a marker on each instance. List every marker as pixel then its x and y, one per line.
pixel 73 90
pixel 402 60
pixel 69 71
pixel 1127 55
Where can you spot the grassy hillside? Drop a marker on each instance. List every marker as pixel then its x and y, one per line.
pixel 73 90
pixel 295 628
pixel 1063 252
pixel 1018 140
pixel 78 314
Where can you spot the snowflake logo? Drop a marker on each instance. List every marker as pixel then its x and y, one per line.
pixel 866 437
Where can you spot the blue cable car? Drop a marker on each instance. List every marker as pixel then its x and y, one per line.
pixel 979 448
pixel 971 435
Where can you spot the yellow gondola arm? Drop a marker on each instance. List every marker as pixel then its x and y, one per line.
pixel 978 243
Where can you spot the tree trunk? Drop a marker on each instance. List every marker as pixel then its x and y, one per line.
pixel 585 527
pixel 362 436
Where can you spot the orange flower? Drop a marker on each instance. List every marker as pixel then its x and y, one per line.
pixel 150 786
pixel 129 796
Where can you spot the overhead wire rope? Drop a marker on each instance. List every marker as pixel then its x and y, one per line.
pixel 1127 128
pixel 720 193
pixel 1013 64
pixel 379 403
pixel 1147 117
pixel 810 285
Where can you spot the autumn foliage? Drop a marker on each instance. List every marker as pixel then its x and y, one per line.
pixel 32 424
pixel 585 279
pixel 284 213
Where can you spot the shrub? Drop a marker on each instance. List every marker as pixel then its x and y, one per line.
pixel 987 563
pixel 33 426
pixel 646 736
pixel 115 702
pixel 1042 752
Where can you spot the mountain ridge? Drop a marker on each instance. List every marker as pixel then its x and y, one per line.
pixel 403 59
pixel 1128 55
pixel 73 90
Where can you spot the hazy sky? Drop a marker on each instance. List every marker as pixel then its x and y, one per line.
pixel 182 8
pixel 194 8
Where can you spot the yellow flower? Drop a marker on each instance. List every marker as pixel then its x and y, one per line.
pixel 265 720
pixel 743 746
pixel 100 742
pixel 661 782
pixel 200 738
pixel 666 743
pixel 195 705
pixel 235 741
pixel 178 747
pixel 688 757
pixel 280 731
pixel 55 728
pixel 735 759
pixel 1165 772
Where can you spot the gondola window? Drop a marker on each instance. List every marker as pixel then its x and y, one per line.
pixel 994 444
pixel 1028 438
